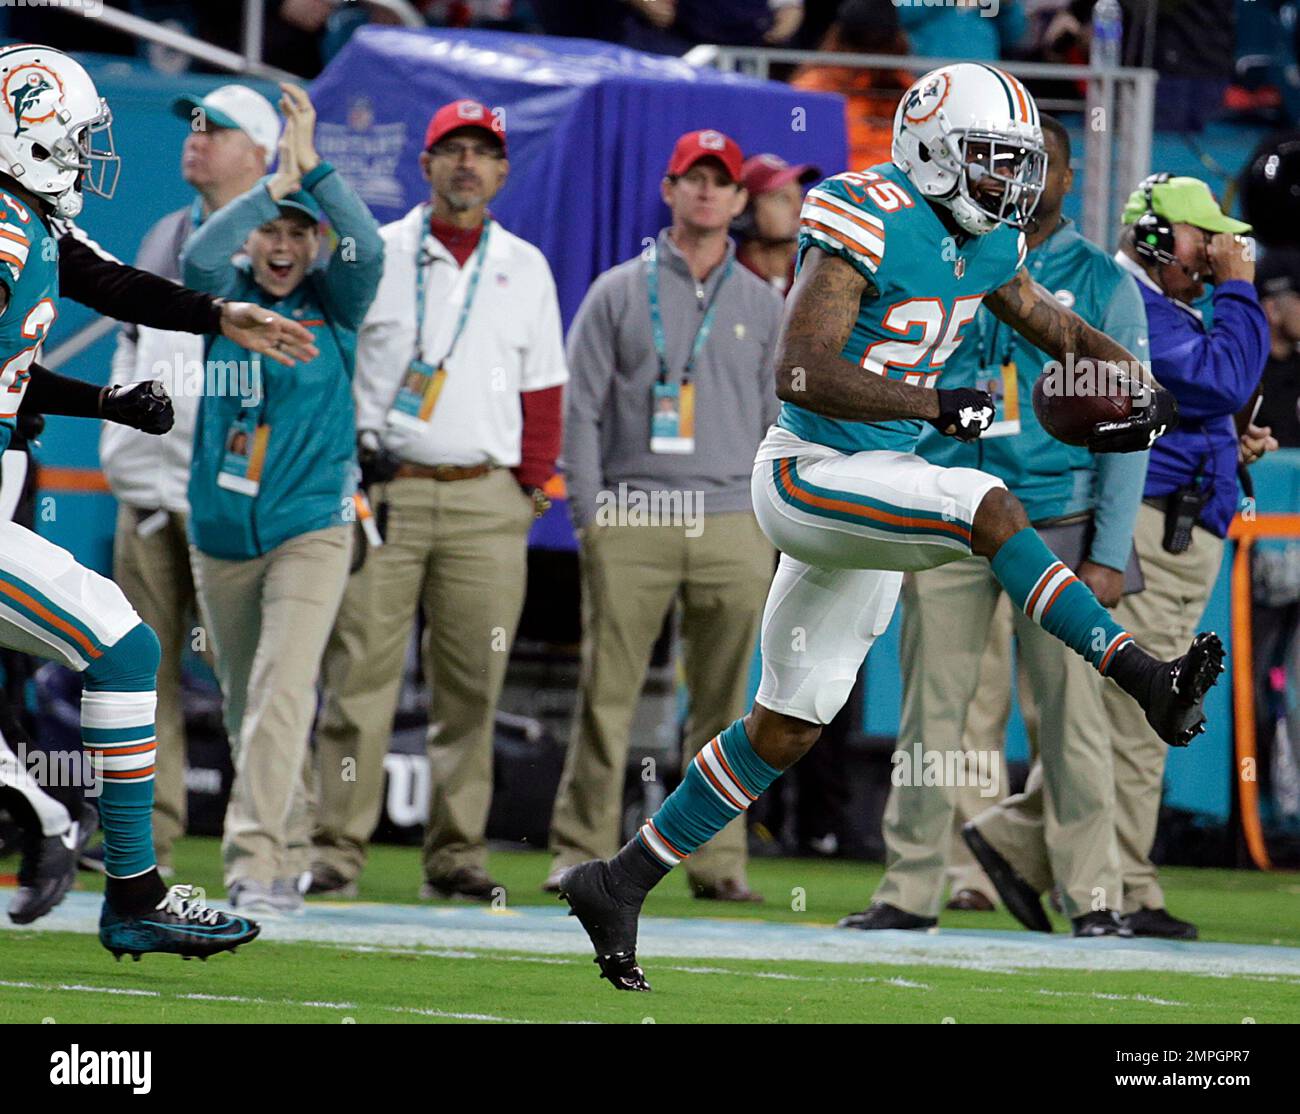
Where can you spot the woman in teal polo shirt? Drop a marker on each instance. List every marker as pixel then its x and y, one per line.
pixel 271 488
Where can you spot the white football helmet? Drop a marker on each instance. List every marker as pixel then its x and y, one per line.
pixel 56 135
pixel 967 136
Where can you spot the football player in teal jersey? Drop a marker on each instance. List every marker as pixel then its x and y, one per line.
pixel 894 262
pixel 55 143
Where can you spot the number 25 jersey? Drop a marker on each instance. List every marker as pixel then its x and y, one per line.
pixel 923 290
pixel 29 270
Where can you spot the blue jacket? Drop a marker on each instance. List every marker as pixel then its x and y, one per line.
pixel 308 472
pixel 1212 373
pixel 1050 478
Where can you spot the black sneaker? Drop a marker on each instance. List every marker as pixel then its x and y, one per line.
pixel 1160 923
pixel 1100 922
pixel 1020 898
pixel 880 914
pixel 49 867
pixel 181 923
pixel 1175 703
pixel 609 922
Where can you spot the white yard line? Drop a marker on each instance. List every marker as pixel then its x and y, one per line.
pixel 545 932
pixel 340 1007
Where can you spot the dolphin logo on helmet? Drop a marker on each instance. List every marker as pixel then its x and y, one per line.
pixel 968 137
pixel 25 89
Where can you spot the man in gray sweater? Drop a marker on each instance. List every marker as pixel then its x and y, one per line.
pixel 671 391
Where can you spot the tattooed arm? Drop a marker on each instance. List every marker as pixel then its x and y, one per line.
pixel 810 372
pixel 1058 331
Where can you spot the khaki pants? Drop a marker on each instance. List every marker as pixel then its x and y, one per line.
pixel 631 576
pixel 1163 618
pixel 986 728
pixel 460 550
pixel 946 624
pixel 269 618
pixel 154 575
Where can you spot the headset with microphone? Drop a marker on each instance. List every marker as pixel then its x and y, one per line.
pixel 1153 234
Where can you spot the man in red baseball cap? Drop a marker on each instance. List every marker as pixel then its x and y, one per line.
pixel 672 354
pixel 459 395
pixel 464 160
pixel 702 188
pixel 768 229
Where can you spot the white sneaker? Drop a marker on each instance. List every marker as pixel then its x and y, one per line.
pixel 253 899
pixel 286 897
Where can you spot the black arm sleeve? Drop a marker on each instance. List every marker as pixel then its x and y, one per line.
pixel 51 393
pixel 112 288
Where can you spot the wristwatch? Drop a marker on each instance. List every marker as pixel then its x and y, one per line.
pixel 541 501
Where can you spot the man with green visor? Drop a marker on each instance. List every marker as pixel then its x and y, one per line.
pixel 1175 239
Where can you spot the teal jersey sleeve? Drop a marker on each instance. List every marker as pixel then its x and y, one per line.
pixel 29 271
pixel 357 262
pixel 839 219
pixel 1120 476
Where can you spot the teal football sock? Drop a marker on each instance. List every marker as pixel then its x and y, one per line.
pixel 1057 600
pixel 725 778
pixel 118 703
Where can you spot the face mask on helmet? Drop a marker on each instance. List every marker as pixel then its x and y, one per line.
pixel 89 153
pixel 1001 183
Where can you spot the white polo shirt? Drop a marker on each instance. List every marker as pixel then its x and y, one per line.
pixel 512 342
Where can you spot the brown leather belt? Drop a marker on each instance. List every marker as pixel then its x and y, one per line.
pixel 444 472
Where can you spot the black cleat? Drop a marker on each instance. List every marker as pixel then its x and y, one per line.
pixel 1160 923
pixel 1017 895
pixel 1100 922
pixel 1174 705
pixel 181 923
pixel 610 923
pixel 48 869
pixel 882 915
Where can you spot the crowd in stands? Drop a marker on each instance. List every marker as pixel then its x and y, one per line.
pixel 1215 57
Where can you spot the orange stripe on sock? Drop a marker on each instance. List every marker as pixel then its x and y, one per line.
pixel 1064 585
pixel 716 744
pixel 712 780
pixel 128 775
pixel 1042 584
pixel 667 843
pixel 1120 639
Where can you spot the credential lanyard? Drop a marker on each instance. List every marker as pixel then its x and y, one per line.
pixel 657 321
pixel 474 277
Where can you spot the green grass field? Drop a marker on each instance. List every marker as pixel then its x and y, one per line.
pixel 68 977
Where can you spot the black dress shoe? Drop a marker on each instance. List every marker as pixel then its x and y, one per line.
pixel 1100 922
pixel 469 883
pixel 728 889
pixel 881 914
pixel 1020 898
pixel 970 901
pixel 329 880
pixel 1159 922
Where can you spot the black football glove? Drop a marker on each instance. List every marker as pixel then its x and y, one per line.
pixel 1155 413
pixel 378 463
pixel 964 413
pixel 143 406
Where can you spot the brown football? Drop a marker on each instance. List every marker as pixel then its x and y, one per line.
pixel 1070 415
